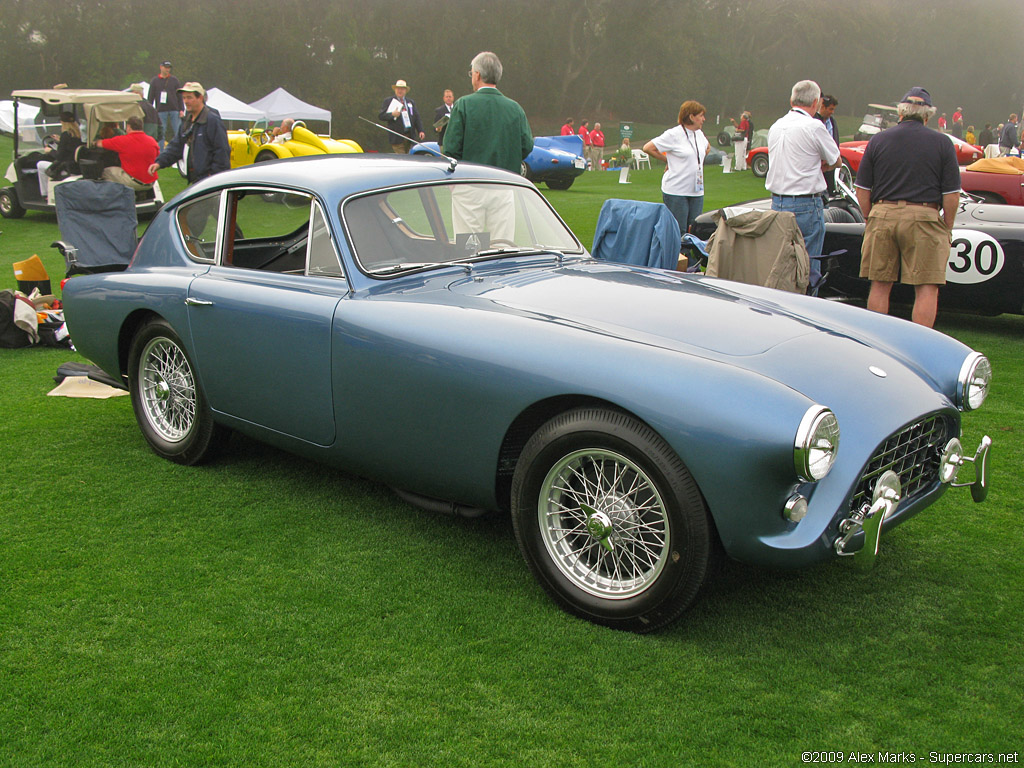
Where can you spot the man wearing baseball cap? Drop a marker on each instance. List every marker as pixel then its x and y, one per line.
pixel 908 186
pixel 203 133
pixel 163 94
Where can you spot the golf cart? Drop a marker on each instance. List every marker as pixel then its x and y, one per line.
pixel 883 117
pixel 36 126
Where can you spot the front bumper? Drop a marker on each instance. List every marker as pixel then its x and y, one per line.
pixel 865 523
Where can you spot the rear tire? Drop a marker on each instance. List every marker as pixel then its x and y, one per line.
pixel 168 401
pixel 610 521
pixel 838 216
pixel 989 197
pixel 559 183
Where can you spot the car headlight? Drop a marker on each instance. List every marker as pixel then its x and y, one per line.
pixel 972 384
pixel 817 440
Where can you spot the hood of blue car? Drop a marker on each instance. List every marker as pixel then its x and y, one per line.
pixel 648 306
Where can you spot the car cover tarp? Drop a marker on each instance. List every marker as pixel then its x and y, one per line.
pixel 998 165
pixel 97 218
pixel 759 248
pixel 637 232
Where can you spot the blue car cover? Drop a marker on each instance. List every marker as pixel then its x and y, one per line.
pixel 636 232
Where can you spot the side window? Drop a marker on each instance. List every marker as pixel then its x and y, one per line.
pixel 323 259
pixel 197 223
pixel 266 230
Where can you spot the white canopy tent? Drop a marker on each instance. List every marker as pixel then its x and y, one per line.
pixel 231 108
pixel 279 104
pixel 27 112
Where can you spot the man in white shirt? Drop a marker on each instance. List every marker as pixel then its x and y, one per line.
pixel 801 148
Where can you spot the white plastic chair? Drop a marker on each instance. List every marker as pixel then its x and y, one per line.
pixel 641 158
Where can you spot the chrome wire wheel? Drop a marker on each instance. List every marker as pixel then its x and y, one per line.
pixel 604 523
pixel 168 389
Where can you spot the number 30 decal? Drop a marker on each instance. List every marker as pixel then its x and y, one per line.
pixel 974 257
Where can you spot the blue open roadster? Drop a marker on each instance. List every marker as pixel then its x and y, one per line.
pixel 438 327
pixel 554 160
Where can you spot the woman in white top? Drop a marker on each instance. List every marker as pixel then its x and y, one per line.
pixel 684 148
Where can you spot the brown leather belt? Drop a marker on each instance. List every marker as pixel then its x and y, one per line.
pixel 906 202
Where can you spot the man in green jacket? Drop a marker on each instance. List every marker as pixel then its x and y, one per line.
pixel 486 126
pixel 489 128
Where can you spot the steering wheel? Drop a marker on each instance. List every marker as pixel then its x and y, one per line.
pixel 298 124
pixel 50 142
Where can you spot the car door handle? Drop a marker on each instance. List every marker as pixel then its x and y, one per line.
pixel 193 302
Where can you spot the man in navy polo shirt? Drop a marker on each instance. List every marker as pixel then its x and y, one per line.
pixel 908 186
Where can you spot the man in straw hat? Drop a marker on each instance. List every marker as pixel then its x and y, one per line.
pixel 400 115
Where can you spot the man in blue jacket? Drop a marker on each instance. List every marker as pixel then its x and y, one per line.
pixel 203 132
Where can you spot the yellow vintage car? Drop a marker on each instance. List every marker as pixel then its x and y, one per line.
pixel 256 145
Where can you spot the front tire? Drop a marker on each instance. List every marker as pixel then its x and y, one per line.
pixel 610 521
pixel 168 401
pixel 846 174
pixel 759 165
pixel 10 208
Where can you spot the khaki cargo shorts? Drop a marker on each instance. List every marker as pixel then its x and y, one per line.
pixel 905 242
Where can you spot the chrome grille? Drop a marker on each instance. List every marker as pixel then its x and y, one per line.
pixel 912 453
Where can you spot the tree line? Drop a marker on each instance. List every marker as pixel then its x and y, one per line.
pixel 606 60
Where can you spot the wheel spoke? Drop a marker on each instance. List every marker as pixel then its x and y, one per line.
pixel 604 523
pixel 167 389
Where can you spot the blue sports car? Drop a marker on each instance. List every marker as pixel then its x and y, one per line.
pixel 437 327
pixel 555 160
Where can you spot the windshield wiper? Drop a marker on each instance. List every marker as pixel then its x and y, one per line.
pixel 520 251
pixel 420 265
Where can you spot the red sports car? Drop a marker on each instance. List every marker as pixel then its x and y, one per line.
pixel 850 151
pixel 853 151
pixel 996 180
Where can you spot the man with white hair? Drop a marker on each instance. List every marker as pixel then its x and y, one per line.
pixel 489 128
pixel 486 126
pixel 800 148
pixel 908 187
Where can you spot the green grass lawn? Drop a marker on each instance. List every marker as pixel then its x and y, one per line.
pixel 265 611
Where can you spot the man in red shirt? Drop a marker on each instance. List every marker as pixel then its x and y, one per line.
pixel 137 151
pixel 596 147
pixel 567 128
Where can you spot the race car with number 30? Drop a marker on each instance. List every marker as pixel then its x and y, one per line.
pixel 985 271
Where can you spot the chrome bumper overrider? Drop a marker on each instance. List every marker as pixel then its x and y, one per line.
pixel 953 458
pixel 886 496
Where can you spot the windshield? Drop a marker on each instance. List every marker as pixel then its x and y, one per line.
pixel 430 226
pixel 37 120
